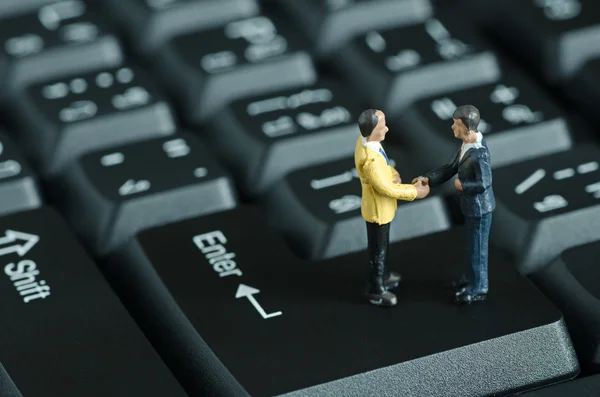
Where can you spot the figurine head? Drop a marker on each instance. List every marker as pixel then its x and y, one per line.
pixel 466 120
pixel 372 125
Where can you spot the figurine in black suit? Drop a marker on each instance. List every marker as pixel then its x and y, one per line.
pixel 472 163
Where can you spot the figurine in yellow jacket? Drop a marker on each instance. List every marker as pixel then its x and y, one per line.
pixel 381 187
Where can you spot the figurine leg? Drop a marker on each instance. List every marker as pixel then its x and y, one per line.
pixel 378 240
pixel 477 230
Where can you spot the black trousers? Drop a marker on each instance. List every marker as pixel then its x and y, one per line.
pixel 378 237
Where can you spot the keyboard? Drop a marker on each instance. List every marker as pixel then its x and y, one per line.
pixel 180 213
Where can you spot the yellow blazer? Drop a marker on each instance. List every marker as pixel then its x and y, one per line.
pixel 379 192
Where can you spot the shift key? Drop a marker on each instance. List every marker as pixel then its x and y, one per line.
pixel 64 332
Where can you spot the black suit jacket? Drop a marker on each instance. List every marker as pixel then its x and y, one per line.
pixel 475 174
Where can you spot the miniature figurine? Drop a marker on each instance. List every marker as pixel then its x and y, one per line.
pixel 472 163
pixel 381 187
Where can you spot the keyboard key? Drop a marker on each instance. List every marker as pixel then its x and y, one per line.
pixel 58 39
pixel 19 189
pixel 150 23
pixel 330 24
pixel 555 38
pixel 518 120
pixel 582 387
pixel 65 118
pixel 11 7
pixel 585 88
pixel 318 208
pixel 571 281
pixel 253 56
pixel 60 311
pixel 116 192
pixel 395 67
pixel 546 205
pixel 264 137
pixel 252 306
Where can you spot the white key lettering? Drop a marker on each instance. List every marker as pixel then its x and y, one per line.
pixel 112 159
pixel 516 114
pixel 133 187
pixel 550 203
pixel 78 110
pixel 212 246
pixel 375 41
pixel 9 168
pixel 176 148
pixel 79 32
pixel 444 108
pixel 132 97
pixel 24 45
pixel 218 61
pixel 404 60
pixel 559 10
pixel 328 117
pixel 503 94
pixel 345 204
pixel 282 126
pixel 23 276
pixel 55 91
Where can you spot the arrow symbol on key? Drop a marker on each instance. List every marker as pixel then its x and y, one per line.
pixel 245 291
pixel 11 236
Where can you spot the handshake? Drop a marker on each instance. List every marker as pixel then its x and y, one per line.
pixel 420 183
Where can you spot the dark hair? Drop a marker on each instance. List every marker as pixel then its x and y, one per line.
pixel 469 115
pixel 367 121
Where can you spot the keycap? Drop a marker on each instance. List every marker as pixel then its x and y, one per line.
pixel 65 118
pixel 240 305
pixel 571 281
pixel 331 24
pixel 394 67
pixel 150 23
pixel 582 387
pixel 58 39
pixel 318 208
pixel 585 88
pixel 19 189
pixel 266 136
pixel 65 332
pixel 518 121
pixel 554 38
pixel 11 7
pixel 210 68
pixel 546 205
pixel 114 193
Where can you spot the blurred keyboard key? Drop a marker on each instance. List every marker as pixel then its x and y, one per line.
pixel 546 205
pixel 330 24
pixel 318 209
pixel 12 7
pixel 264 137
pixel 519 122
pixel 114 193
pixel 210 68
pixel 58 39
pixel 227 306
pixel 65 332
pixel 150 23
pixel 585 88
pixel 395 67
pixel 572 282
pixel 582 387
pixel 19 189
pixel 554 38
pixel 65 118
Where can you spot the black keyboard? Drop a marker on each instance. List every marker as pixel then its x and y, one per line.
pixel 180 214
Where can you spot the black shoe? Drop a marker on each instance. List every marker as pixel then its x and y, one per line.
pixel 465 298
pixel 392 280
pixel 386 299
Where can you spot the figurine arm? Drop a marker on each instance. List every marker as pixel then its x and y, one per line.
pixel 384 186
pixel 443 173
pixel 483 177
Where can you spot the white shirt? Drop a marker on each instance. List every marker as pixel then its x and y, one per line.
pixel 466 146
pixel 373 145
